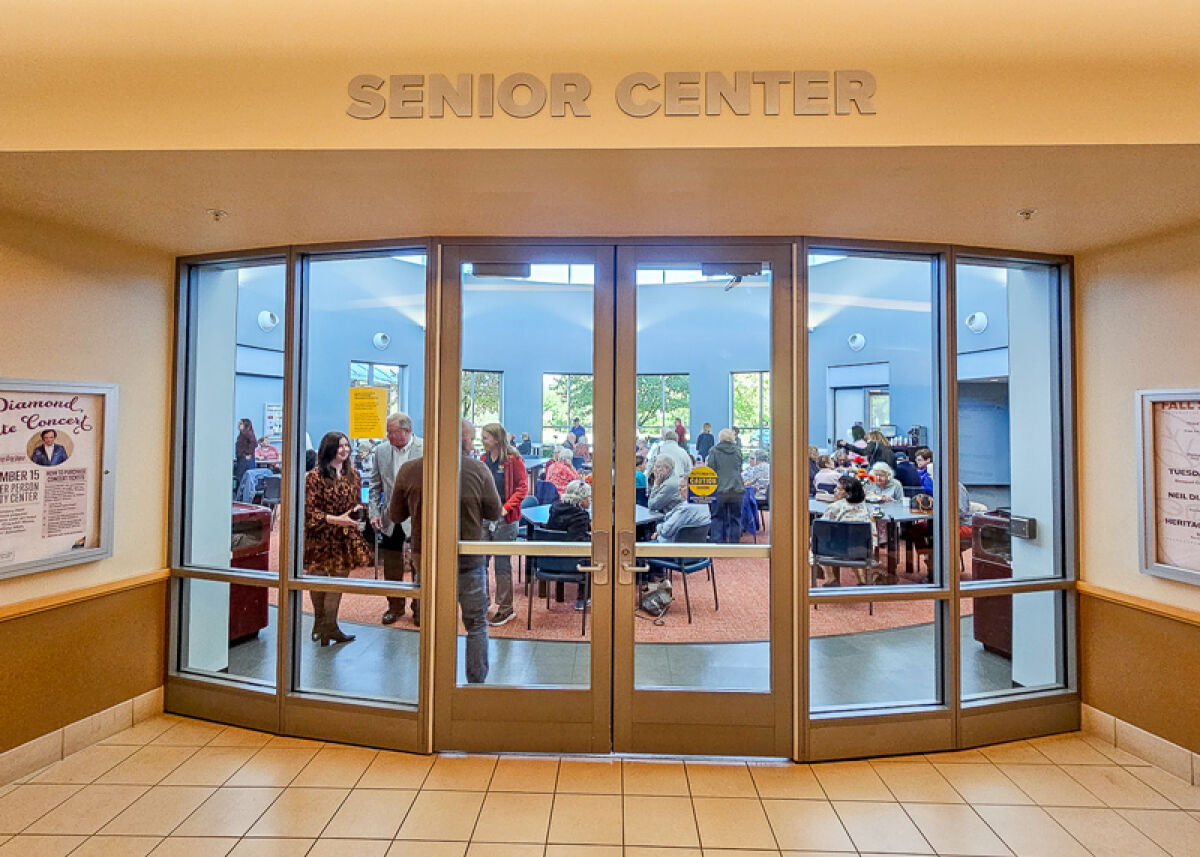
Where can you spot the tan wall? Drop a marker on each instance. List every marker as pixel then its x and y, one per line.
pixel 78 308
pixel 1136 326
pixel 197 74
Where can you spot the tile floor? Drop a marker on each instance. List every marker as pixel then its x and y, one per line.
pixel 173 787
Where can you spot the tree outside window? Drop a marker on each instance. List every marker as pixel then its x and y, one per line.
pixel 660 399
pixel 565 398
pixel 480 396
pixel 752 407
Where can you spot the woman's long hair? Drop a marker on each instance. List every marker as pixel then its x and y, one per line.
pixel 247 430
pixel 327 452
pixel 501 437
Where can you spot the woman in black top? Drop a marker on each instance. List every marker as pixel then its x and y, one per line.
pixel 705 441
pixel 570 514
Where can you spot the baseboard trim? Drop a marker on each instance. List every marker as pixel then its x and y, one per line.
pixel 57 745
pixel 1172 758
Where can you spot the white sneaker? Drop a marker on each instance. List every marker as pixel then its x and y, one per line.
pixel 501 617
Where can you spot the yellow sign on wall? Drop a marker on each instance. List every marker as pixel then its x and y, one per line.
pixel 368 411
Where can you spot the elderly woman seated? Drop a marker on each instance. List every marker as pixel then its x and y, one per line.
pixel 757 474
pixel 560 472
pixel 665 495
pixel 849 505
pixel 570 514
pixel 886 488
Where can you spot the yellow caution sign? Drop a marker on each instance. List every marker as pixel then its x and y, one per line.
pixel 368 411
pixel 702 481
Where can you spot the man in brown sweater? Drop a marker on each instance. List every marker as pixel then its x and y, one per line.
pixel 477 502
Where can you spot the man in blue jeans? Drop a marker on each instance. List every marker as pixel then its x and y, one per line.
pixel 478 501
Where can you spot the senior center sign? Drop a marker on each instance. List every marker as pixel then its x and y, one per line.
pixel 1169 490
pixel 55 454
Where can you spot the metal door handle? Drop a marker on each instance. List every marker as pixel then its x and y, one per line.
pixel 599 567
pixel 629 566
pixel 598 572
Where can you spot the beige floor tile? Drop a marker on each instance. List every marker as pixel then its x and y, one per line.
pixel 229 812
pixel 1049 785
pixel 957 757
pixel 461 773
pixel 190 733
pixel 144 732
pixel 287 742
pixel 851 781
pixel 1030 832
pixel 807 825
pixel 529 774
pixel 192 846
pixel 350 848
pixel 504 849
pixel 983 784
pixel 270 767
pixel 919 781
pixel 396 771
pixel 442 816
pixel 158 812
pixel 86 811
pixel 732 823
pixel 1183 795
pixel 514 817
pixel 590 776
pixel 26 804
pixel 299 812
pixel 40 846
pixel 615 851
pixel 336 767
pixel 660 821
pixel 86 765
pixel 1117 787
pixel 955 829
pixel 117 846
pixel 729 852
pixel 586 819
pixel 882 827
pixel 1069 750
pixel 209 766
pixel 720 779
pixel 370 814
pixel 1014 753
pixel 1105 833
pixel 148 766
pixel 427 849
pixel 657 777
pixel 1175 832
pixel 786 853
pixel 233 736
pixel 1113 752
pixel 790 781
pixel 272 848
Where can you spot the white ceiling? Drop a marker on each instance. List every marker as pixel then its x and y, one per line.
pixel 1086 196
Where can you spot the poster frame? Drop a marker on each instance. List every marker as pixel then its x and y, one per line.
pixel 1146 491
pixel 107 472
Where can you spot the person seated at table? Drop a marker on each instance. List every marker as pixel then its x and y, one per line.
pixel 665 495
pixel 570 514
pixel 583 449
pixel 814 456
pixel 639 471
pixel 921 532
pixel 525 447
pixel 878 449
pixel 569 441
pixel 841 459
pixel 757 474
pixel 849 504
pixel 560 472
pixel 885 489
pixel 683 514
pixel 907 473
pixel 827 475
pixel 264 451
pixel 924 459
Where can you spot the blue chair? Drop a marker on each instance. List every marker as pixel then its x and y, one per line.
pixel 556 569
pixel 545 492
pixel 689 565
pixel 578 462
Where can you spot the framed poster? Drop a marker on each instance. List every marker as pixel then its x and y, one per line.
pixel 273 421
pixel 1168 432
pixel 57 457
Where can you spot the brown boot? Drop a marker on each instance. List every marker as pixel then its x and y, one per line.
pixel 331 633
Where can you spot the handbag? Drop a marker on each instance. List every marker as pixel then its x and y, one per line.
pixel 922 503
pixel 655 597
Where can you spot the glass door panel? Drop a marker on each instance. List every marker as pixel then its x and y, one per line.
pixel 699 436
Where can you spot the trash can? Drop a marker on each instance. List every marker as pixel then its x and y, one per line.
pixel 251 546
pixel 991 559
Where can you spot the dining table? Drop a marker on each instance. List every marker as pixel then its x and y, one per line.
pixel 896 516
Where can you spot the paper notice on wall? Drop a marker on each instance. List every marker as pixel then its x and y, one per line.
pixel 50 474
pixel 1177 483
pixel 368 411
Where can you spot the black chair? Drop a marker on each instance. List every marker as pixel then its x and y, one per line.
pixel 529 500
pixel 556 569
pixel 913 490
pixel 764 505
pixel 641 495
pixel 842 544
pixel 689 565
pixel 272 486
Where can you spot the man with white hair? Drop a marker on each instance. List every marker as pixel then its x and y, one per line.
pixel 669 446
pixel 402 446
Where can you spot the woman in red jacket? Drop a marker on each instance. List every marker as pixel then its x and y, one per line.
pixel 512 483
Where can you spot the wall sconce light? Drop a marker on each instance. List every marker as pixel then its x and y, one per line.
pixel 976 322
pixel 267 321
pixel 381 341
pixel 856 341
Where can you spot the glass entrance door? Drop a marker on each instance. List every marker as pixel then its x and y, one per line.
pixel 584 605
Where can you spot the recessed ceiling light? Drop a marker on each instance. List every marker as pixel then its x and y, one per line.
pixel 217 214
pixel 1026 213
